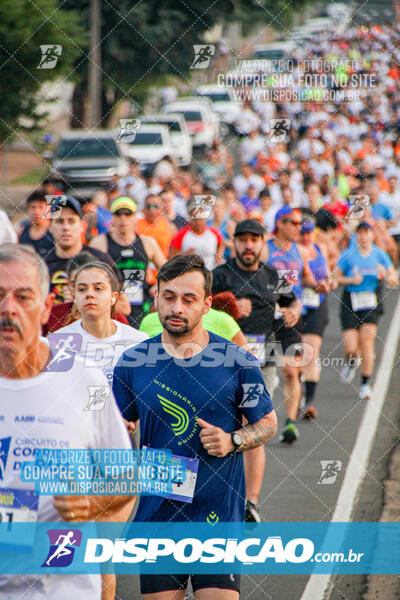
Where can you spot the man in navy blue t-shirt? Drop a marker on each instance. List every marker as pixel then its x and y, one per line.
pixel 190 392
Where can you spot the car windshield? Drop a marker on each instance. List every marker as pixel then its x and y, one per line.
pixel 147 139
pixel 173 126
pixel 87 148
pixel 191 115
pixel 269 54
pixel 222 97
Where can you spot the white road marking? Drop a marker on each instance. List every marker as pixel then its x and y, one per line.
pixel 319 586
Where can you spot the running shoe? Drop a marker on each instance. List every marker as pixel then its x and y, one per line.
pixel 252 513
pixel 309 413
pixel 289 434
pixel 365 392
pixel 348 372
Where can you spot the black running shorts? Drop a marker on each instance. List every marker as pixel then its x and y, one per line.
pixel 152 584
pixel 289 336
pixel 316 319
pixel 351 319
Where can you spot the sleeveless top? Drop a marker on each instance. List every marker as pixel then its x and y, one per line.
pixel 289 263
pixel 43 246
pixel 318 268
pixel 132 261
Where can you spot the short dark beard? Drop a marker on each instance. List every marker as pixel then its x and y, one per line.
pixel 244 262
pixel 173 331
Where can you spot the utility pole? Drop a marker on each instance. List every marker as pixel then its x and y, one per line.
pixel 95 64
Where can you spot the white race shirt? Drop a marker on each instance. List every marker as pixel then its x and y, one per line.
pixel 393 200
pixel 50 411
pixel 241 183
pixel 7 231
pixel 105 352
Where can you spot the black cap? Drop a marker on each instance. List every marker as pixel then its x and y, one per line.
pixel 64 201
pixel 249 226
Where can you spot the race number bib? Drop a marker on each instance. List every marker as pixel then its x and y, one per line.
pixel 17 506
pixel 256 343
pixel 363 300
pixel 133 287
pixel 184 490
pixel 310 298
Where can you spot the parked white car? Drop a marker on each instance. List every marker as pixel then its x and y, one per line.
pixel 178 132
pixel 151 144
pixel 202 122
pixel 223 101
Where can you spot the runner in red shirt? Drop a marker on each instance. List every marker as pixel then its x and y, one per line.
pixel 198 237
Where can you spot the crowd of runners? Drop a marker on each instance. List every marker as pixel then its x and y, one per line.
pixel 281 224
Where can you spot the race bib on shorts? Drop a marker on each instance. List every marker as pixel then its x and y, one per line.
pixel 310 298
pixel 363 300
pixel 256 343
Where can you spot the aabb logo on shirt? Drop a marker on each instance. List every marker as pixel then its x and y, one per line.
pixel 63 543
pixel 4 448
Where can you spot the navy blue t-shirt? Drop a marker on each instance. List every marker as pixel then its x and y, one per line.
pixel 219 385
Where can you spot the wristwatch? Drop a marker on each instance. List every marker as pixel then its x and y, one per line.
pixel 236 440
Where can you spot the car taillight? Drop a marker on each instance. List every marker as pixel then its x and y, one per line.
pixel 196 126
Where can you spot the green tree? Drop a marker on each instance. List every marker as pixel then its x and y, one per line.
pixel 24 27
pixel 145 40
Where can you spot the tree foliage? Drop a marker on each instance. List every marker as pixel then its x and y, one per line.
pixel 142 41
pixel 24 27
pixel 146 39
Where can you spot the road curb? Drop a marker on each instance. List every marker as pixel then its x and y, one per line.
pixel 386 587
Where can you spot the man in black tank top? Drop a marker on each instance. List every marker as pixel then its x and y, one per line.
pixel 66 227
pixel 131 254
pixel 34 231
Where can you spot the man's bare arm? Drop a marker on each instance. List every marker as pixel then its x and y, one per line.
pixel 218 442
pixel 257 434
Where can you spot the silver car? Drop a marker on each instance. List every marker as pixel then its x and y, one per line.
pixel 85 161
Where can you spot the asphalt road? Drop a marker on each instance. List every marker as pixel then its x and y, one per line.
pixel 290 489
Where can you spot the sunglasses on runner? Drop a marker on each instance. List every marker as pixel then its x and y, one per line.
pixel 152 206
pixel 123 211
pixel 298 223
